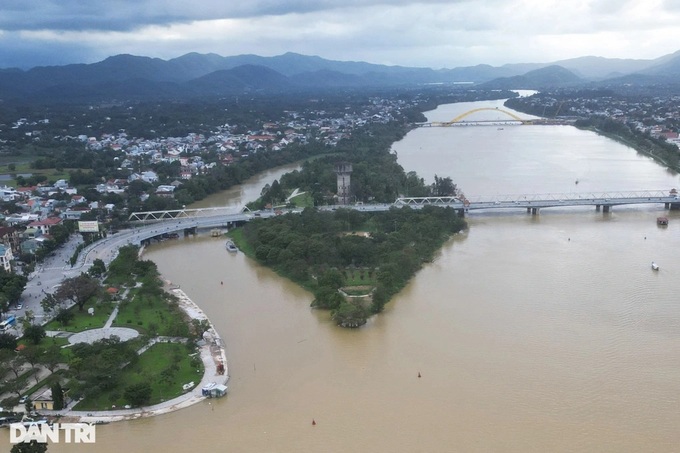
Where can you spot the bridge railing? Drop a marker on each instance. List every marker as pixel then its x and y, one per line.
pixel 573 196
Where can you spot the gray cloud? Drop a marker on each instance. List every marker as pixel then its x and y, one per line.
pixel 434 33
pixel 126 15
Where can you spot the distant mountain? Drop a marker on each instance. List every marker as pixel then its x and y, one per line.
pixel 197 74
pixel 668 67
pixel 552 76
pixel 242 79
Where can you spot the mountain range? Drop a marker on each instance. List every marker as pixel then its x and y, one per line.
pixel 200 75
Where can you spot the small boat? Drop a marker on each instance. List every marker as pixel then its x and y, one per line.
pixel 655 267
pixel 231 247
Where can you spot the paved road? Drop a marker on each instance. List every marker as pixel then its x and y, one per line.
pixel 45 279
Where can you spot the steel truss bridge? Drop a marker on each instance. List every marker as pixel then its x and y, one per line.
pixel 219 217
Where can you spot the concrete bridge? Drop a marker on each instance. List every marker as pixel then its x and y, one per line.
pixel 189 219
pixel 157 225
pixel 534 202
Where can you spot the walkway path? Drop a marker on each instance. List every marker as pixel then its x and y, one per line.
pixel 212 354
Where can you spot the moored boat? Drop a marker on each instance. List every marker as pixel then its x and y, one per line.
pixel 231 247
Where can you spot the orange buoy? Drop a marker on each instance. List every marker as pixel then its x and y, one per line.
pixel 313 422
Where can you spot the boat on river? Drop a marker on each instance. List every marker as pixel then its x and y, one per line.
pixel 231 247
pixel 655 267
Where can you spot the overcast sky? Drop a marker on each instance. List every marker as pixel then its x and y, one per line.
pixel 425 33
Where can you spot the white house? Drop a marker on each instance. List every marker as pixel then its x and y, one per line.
pixel 6 257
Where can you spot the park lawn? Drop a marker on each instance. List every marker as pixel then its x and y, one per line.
pixel 24 168
pixel 84 321
pixel 304 200
pixel 151 314
pixel 150 368
pixel 353 277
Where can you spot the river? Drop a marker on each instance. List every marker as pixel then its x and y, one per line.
pixel 545 333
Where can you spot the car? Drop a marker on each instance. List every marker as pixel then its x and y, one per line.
pixel 23 399
pixel 20 306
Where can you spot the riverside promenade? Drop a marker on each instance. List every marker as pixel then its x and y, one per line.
pixel 212 354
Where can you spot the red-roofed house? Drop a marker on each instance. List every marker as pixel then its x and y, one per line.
pixel 45 224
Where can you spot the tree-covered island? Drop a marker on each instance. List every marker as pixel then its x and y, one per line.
pixel 353 261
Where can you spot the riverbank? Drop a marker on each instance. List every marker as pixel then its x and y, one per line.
pixel 212 354
pixel 625 141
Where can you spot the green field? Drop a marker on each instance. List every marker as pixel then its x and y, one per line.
pixel 84 321
pixel 152 314
pixel 166 366
pixel 360 277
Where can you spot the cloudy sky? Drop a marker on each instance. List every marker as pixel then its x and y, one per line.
pixel 424 33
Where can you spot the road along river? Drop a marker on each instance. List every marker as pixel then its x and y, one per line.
pixel 544 333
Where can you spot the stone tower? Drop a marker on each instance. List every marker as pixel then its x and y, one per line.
pixel 343 170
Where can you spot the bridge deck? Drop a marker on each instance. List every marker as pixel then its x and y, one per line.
pixel 213 217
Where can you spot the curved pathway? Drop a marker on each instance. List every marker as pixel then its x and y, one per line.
pixel 212 355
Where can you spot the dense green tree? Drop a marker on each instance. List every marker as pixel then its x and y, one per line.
pixel 327 298
pixel 350 315
pixel 12 285
pixel 78 289
pixel 52 357
pixel 98 268
pixel 8 341
pixel 57 396
pixel 138 394
pixel 64 316
pixel 34 333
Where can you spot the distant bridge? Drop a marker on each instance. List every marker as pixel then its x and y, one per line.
pixel 511 120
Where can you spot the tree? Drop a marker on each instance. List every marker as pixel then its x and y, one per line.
pixel 138 394
pixel 34 333
pixel 98 268
pixel 29 447
pixel 78 289
pixel 64 316
pixel 28 319
pixel 327 297
pixel 15 365
pixel 12 285
pixel 32 355
pixel 350 315
pixel 8 341
pixel 4 303
pixel 52 357
pixel 57 396
pixel 50 302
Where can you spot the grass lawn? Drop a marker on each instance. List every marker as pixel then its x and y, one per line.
pixel 153 367
pixel 22 165
pixel 84 321
pixel 150 314
pixel 353 277
pixel 303 200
